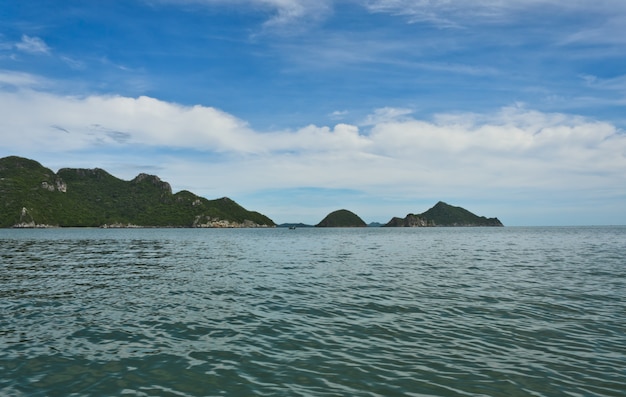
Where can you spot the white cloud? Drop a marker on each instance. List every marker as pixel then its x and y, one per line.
pixel 474 155
pixel 514 133
pixel 32 45
pixel 35 118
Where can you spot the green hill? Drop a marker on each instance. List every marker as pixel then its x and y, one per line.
pixel 33 196
pixel 342 218
pixel 443 214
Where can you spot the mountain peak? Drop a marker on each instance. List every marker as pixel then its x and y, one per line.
pixel 153 180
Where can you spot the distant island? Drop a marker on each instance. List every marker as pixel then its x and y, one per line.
pixel 34 196
pixel 294 225
pixel 443 214
pixel 342 218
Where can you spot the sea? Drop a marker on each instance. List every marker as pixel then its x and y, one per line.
pixel 512 311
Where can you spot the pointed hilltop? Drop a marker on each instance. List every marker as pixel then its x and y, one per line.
pixel 34 196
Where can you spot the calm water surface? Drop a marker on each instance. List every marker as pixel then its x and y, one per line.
pixel 313 312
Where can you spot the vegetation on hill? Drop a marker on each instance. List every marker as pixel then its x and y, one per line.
pixel 342 218
pixel 443 214
pixel 32 195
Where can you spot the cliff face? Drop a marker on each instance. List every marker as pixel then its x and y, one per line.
pixel 443 214
pixel 342 218
pixel 34 196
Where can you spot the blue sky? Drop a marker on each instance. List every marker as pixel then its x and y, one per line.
pixel 296 108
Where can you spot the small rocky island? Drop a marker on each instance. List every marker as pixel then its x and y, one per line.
pixel 443 214
pixel 34 196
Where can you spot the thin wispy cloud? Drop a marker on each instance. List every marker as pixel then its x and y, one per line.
pixel 611 31
pixel 339 114
pixel 73 63
pixel 386 115
pixel 617 83
pixel 288 12
pixel 458 13
pixel 32 45
pixel 280 14
pixel 15 79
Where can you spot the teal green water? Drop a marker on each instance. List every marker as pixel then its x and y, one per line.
pixel 313 312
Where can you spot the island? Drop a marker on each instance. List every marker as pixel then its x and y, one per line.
pixel 342 218
pixel 443 214
pixel 34 196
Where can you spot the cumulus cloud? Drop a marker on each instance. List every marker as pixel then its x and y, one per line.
pixel 32 45
pixel 512 147
pixel 36 118
pixel 511 135
pixel 32 117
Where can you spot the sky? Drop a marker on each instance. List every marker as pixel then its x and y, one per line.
pixel 295 108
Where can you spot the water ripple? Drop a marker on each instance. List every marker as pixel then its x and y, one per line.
pixel 376 312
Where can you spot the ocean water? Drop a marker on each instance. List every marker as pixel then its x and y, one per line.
pixel 313 312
